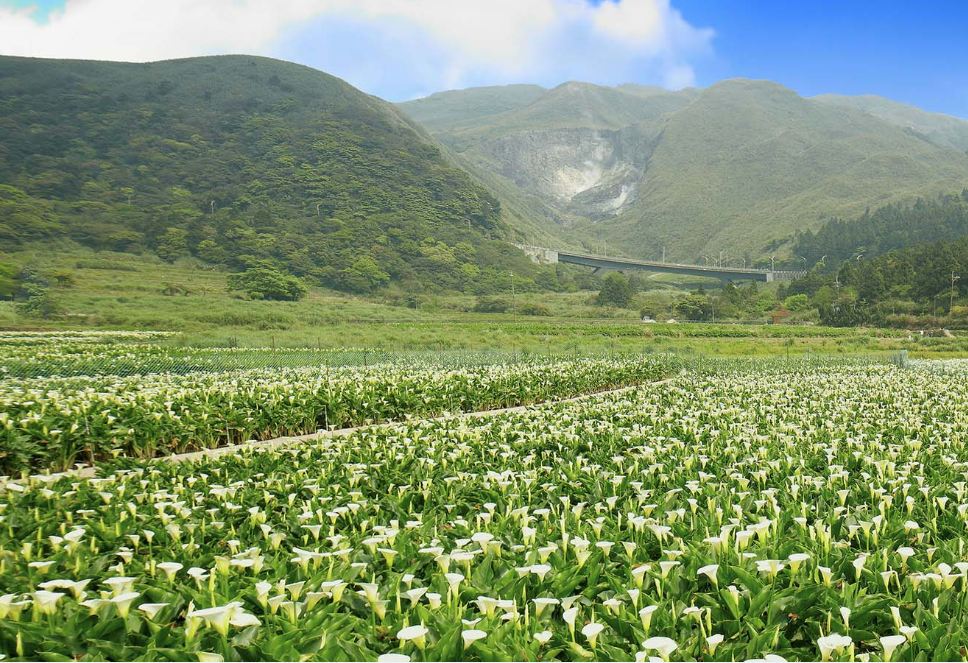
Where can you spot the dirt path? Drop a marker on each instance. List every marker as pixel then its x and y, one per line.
pixel 275 443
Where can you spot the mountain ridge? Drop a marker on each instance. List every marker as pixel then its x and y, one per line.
pixel 741 165
pixel 235 159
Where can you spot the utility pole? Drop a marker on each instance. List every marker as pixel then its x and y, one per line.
pixel 318 205
pixel 213 207
pixel 512 292
pixel 663 254
pixel 772 263
pixel 951 295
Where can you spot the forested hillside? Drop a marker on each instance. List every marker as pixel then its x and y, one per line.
pixel 886 229
pixel 240 160
pixel 903 265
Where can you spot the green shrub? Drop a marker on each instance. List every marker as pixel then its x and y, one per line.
pixel 492 305
pixel 533 309
pixel 264 281
pixel 797 303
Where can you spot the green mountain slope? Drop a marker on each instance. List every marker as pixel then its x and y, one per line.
pixel 458 108
pixel 236 158
pixel 945 130
pixel 749 162
pixel 738 167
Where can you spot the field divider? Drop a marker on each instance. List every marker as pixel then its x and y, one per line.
pixel 285 441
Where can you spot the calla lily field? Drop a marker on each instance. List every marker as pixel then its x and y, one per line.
pixel 802 510
pixel 55 422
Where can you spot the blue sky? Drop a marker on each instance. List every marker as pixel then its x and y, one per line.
pixel 915 52
pixel 400 49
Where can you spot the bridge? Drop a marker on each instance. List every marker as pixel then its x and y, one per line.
pixel 599 263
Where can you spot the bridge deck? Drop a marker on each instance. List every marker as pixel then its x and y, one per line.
pixel 613 263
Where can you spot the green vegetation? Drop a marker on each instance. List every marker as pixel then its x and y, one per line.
pixel 902 265
pixel 737 167
pixel 468 108
pixel 129 292
pixel 51 422
pixel 263 281
pixel 615 291
pixel 918 286
pixel 809 511
pixel 940 129
pixel 886 229
pixel 238 159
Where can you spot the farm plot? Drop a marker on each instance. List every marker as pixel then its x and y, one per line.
pixel 25 355
pixel 797 514
pixel 54 422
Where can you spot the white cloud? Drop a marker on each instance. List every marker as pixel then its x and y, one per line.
pixel 472 41
pixel 634 22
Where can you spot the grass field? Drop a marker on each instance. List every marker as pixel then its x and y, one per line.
pixel 750 496
pixel 124 291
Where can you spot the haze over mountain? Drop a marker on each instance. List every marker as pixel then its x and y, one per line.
pixel 234 159
pixel 938 128
pixel 739 166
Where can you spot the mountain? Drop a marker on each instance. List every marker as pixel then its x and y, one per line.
pixel 455 108
pixel 944 130
pixel 737 167
pixel 235 160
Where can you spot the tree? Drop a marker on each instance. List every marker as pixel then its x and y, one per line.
pixel 8 281
pixel 364 275
pixel 263 281
pixel 615 291
pixel 35 295
pixel 173 244
pixel 696 306
pixel 797 303
pixel 211 251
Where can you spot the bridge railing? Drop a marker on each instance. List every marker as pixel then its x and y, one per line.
pixel 769 274
pixel 658 263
